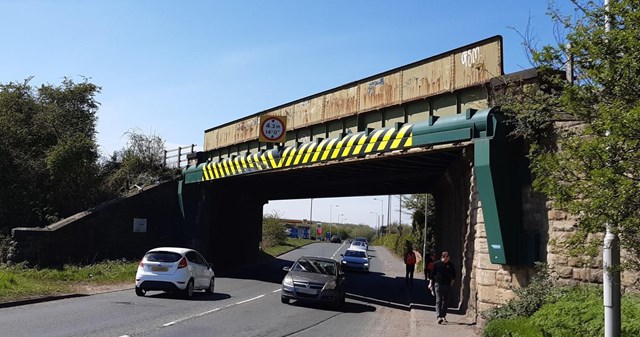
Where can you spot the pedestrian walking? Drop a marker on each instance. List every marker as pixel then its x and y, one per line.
pixel 430 260
pixel 410 262
pixel 441 279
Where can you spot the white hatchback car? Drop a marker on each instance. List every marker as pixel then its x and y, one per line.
pixel 175 270
pixel 359 245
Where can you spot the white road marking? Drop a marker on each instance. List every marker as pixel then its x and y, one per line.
pixel 251 299
pixel 207 312
pixel 275 291
pixel 210 311
pixel 334 254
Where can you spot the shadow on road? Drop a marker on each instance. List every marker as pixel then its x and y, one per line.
pixel 197 296
pixel 374 287
pixel 348 307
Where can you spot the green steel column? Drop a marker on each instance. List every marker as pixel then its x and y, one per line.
pixel 499 190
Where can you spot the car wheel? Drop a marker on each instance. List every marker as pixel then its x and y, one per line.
pixel 188 291
pixel 212 284
pixel 284 300
pixel 140 291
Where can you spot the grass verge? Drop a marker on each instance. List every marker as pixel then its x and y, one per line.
pixel 290 245
pixel 18 282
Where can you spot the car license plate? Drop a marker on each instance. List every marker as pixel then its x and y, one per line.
pixel 307 291
pixel 159 268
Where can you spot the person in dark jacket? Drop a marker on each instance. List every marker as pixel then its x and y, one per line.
pixel 441 279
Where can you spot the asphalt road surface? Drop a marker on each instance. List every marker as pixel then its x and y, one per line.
pixel 246 302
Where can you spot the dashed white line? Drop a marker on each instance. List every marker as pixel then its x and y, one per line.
pixel 209 311
pixel 251 299
pixel 334 254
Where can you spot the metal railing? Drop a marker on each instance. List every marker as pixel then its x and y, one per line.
pixel 178 157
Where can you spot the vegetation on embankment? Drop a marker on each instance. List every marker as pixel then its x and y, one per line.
pixel 289 245
pixel 18 282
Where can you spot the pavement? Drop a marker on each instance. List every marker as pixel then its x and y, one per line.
pixel 423 315
pixel 422 305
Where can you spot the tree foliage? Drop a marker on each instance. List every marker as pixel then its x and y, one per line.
pixel 48 151
pixel 50 167
pixel 137 165
pixel 415 204
pixel 273 230
pixel 590 168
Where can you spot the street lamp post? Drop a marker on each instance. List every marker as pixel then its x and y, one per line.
pixel 331 218
pixel 377 220
pixel 339 215
pixel 381 213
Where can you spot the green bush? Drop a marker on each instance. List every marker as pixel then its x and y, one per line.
pixel 273 231
pixel 579 312
pixel 512 327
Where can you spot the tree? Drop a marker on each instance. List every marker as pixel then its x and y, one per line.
pixel 137 165
pixel 273 230
pixel 591 167
pixel 43 174
pixel 415 204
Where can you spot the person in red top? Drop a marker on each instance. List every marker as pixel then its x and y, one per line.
pixel 410 262
pixel 428 269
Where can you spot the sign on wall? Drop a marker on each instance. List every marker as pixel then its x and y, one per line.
pixel 139 225
pixel 273 129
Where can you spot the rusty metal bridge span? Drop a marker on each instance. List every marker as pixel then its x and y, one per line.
pixel 426 127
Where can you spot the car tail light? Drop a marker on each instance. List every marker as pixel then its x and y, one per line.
pixel 141 265
pixel 183 263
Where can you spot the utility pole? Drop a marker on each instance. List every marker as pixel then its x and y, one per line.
pixel 377 223
pixel 331 219
pixel 400 210
pixel 424 236
pixel 381 215
pixel 310 219
pixel 389 213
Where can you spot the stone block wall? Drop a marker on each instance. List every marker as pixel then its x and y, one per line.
pixel 495 283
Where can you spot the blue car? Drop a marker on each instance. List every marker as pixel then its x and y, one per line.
pixel 355 259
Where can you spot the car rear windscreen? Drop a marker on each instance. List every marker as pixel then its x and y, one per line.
pixel 163 257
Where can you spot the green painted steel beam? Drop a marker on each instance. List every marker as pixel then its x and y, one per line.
pixel 501 200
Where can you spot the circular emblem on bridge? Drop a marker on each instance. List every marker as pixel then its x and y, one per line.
pixel 272 129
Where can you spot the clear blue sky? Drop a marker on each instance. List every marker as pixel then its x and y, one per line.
pixel 176 68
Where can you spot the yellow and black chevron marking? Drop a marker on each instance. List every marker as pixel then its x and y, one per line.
pixel 329 149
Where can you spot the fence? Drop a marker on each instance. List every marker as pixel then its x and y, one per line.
pixel 177 157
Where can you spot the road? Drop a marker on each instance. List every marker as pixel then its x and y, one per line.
pixel 246 302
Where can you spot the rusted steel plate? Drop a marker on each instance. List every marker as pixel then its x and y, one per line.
pixel 211 139
pixel 428 79
pixel 307 112
pixel 341 103
pixel 477 64
pixel 380 92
